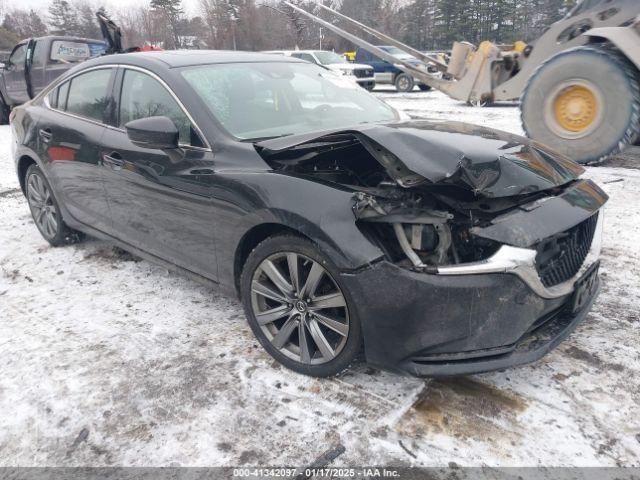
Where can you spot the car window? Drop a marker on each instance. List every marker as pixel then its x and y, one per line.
pixel 364 56
pixel 88 94
pixel 63 92
pixel 143 96
pixel 328 58
pixel 64 51
pixel 39 54
pixel 304 56
pixel 257 100
pixel 18 56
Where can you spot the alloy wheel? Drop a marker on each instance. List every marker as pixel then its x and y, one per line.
pixel 300 308
pixel 403 84
pixel 574 109
pixel 42 207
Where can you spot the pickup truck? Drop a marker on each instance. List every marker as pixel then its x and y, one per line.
pixel 35 62
pixel 387 73
pixel 360 74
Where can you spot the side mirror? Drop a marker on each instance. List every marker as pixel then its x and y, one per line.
pixel 153 132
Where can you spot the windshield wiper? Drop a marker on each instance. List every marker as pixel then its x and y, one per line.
pixel 264 139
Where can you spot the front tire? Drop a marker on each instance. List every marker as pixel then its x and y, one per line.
pixel 45 209
pixel 404 83
pixel 298 308
pixel 584 103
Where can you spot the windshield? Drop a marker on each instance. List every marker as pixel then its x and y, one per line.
pixel 396 52
pixel 327 58
pixel 265 100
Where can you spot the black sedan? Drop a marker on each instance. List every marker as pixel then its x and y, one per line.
pixel 434 248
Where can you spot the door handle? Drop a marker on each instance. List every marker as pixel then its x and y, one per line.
pixel 113 160
pixel 45 134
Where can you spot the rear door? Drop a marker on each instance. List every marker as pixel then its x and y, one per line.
pixel 69 135
pixel 160 200
pixel 14 75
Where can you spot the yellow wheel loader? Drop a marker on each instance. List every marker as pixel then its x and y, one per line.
pixel 578 83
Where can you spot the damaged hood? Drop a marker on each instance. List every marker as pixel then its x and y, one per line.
pixel 491 163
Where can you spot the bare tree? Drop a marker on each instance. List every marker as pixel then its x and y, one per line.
pixel 24 23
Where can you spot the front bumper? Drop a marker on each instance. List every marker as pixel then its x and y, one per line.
pixel 368 83
pixel 438 325
pixel 531 347
pixel 467 318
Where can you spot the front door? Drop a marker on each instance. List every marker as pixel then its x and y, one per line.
pixel 160 201
pixel 14 75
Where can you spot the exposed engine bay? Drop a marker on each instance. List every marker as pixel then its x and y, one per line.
pixel 421 222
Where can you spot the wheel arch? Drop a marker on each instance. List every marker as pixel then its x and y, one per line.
pixel 624 39
pixel 251 239
pixel 24 163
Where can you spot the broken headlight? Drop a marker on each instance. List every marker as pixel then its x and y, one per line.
pixel 425 238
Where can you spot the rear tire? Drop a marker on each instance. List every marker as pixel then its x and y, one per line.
pixel 584 103
pixel 293 308
pixel 45 209
pixel 404 83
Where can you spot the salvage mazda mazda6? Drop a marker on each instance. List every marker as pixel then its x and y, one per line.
pixel 344 227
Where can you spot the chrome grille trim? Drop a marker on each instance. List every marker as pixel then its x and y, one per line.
pixel 522 263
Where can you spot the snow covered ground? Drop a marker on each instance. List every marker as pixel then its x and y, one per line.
pixel 108 360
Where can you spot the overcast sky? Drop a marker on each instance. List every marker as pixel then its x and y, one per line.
pixel 191 6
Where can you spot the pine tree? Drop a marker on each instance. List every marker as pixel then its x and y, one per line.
pixel 87 25
pixel 37 26
pixel 62 18
pixel 170 12
pixel 25 24
pixel 417 19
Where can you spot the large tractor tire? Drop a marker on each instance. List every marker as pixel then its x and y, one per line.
pixel 584 103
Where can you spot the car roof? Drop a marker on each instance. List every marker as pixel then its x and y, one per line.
pixel 62 38
pixel 289 52
pixel 311 51
pixel 186 58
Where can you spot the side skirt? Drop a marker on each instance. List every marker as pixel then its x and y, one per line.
pixel 92 232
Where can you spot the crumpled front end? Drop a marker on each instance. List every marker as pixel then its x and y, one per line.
pixel 490 242
pixel 499 294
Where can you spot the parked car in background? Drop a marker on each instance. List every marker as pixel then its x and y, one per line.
pixel 35 62
pixel 389 74
pixel 439 248
pixel 362 74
